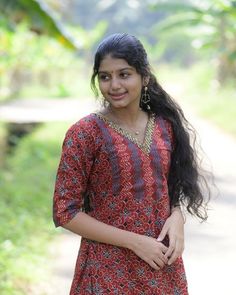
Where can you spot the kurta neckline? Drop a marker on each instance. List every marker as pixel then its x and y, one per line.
pixel 145 146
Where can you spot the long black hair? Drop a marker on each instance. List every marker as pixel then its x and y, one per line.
pixel 186 185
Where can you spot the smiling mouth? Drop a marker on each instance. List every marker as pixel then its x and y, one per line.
pixel 118 95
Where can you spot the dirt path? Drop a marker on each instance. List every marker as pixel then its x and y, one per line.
pixel 21 111
pixel 210 253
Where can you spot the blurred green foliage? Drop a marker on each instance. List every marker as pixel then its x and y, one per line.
pixel 35 55
pixel 212 101
pixel 134 17
pixel 39 18
pixel 211 26
pixel 197 88
pixel 32 64
pixel 26 208
pixel 39 63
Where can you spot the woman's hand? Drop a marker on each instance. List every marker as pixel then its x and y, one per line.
pixel 147 248
pixel 151 251
pixel 174 229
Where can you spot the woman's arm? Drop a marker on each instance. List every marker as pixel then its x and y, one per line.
pixel 92 229
pixel 147 248
pixel 174 228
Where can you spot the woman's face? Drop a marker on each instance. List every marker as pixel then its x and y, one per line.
pixel 119 83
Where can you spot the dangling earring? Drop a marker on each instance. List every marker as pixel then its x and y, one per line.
pixel 105 103
pixel 145 99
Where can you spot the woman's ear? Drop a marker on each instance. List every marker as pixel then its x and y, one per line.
pixel 146 80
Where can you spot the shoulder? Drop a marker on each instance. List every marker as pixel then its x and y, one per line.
pixel 163 122
pixel 165 127
pixel 86 126
pixel 85 131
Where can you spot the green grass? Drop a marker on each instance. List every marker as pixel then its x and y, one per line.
pixel 2 142
pixel 26 207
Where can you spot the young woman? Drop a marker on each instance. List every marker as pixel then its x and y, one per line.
pixel 124 172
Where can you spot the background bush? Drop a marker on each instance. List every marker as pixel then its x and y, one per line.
pixel 25 211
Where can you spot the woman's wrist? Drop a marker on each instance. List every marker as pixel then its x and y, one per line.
pixel 177 210
pixel 132 241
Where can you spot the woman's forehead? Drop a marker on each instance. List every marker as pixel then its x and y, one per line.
pixel 110 64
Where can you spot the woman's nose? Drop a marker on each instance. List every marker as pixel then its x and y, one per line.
pixel 115 84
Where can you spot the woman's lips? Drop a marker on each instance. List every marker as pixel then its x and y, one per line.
pixel 117 96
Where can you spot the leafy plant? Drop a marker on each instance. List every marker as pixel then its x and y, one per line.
pixel 212 26
pixel 38 16
pixel 26 208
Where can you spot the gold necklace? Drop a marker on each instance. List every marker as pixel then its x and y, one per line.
pixel 136 132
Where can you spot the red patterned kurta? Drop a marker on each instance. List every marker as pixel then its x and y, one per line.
pixel 126 184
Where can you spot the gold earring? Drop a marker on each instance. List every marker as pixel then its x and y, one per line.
pixel 145 99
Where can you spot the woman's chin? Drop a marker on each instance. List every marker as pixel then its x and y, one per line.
pixel 118 104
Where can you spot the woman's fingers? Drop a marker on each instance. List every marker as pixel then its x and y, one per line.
pixel 179 248
pixel 154 265
pixel 170 250
pixel 160 262
pixel 157 263
pixel 174 229
pixel 151 251
pixel 163 233
pixel 163 257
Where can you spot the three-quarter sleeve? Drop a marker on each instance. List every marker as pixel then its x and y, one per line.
pixel 72 174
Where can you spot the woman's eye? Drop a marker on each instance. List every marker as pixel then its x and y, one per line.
pixel 124 75
pixel 103 77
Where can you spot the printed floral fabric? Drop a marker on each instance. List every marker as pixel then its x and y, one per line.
pixel 126 186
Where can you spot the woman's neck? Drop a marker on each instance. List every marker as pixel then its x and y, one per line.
pixel 128 117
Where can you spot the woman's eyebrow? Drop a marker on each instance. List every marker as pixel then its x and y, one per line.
pixel 127 68
pixel 120 70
